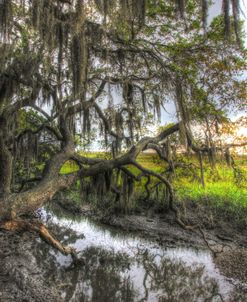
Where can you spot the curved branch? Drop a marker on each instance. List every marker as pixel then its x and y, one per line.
pixel 40 110
pixel 106 165
pixel 49 128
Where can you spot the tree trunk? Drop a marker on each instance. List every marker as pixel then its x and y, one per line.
pixel 6 161
pixel 13 205
pixel 201 169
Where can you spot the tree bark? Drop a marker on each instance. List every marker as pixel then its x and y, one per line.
pixel 19 204
pixel 6 162
pixel 13 205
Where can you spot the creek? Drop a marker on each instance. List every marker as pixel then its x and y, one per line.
pixel 122 266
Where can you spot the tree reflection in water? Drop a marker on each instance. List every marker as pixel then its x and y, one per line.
pixel 102 278
pixel 116 277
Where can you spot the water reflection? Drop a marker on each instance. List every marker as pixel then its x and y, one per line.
pixel 119 267
pixel 114 277
pixel 101 278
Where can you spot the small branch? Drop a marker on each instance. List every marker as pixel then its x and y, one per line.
pixel 158 151
pixel 236 145
pixel 40 110
pixel 130 174
pixel 82 160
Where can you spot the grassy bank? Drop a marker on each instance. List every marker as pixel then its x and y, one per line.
pixel 225 191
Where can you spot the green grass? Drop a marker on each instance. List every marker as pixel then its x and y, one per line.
pixel 222 190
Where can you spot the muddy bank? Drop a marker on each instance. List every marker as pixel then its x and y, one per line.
pixel 233 264
pixel 23 274
pixel 222 235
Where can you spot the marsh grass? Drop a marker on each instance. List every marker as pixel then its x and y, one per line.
pixel 224 191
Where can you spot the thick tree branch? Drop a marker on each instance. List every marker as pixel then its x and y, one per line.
pixel 30 200
pixel 26 202
pixel 129 156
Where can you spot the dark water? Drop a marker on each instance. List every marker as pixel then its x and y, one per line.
pixel 122 267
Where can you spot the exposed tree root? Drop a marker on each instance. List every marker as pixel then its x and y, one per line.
pixel 22 226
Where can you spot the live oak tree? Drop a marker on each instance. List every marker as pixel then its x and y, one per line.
pixel 70 68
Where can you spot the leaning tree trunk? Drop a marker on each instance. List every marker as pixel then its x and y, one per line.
pixel 14 205
pixel 17 204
